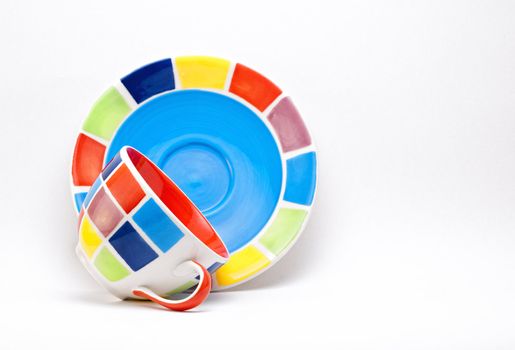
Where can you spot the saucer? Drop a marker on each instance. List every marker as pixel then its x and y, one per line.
pixel 227 136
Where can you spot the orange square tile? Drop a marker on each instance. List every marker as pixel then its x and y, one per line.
pixel 125 188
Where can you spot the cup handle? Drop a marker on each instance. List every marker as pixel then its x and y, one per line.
pixel 194 299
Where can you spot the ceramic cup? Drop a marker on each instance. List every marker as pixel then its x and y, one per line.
pixel 141 237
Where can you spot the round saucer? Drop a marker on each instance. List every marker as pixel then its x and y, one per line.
pixel 227 136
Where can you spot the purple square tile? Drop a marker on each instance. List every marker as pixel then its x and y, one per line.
pixel 289 126
pixel 103 213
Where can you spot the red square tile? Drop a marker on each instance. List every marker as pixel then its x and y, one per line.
pixel 87 160
pixel 253 87
pixel 125 188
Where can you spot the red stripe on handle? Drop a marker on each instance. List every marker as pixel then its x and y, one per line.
pixel 195 299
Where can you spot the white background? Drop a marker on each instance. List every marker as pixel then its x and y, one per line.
pixel 411 243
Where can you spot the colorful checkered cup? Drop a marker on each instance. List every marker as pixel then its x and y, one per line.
pixel 140 236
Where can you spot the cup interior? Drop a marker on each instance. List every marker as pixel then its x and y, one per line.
pixel 177 202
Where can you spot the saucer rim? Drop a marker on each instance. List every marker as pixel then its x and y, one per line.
pixel 281 202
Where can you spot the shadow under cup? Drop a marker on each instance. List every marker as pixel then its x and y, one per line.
pixel 138 229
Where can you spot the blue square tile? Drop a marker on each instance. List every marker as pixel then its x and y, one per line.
pixel 79 199
pixel 157 226
pixel 150 80
pixel 131 247
pixel 212 269
pixel 301 180
pixel 111 166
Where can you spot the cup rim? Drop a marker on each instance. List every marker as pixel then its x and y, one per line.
pixel 176 201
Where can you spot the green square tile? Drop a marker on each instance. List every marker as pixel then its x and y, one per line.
pixel 109 266
pixel 107 114
pixel 283 230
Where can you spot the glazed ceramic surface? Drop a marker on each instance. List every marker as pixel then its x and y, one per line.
pixel 227 136
pixel 137 230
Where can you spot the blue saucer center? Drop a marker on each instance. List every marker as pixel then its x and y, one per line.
pixel 217 150
pixel 202 172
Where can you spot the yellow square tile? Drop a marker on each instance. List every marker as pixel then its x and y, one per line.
pixel 241 265
pixel 89 238
pixel 202 71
